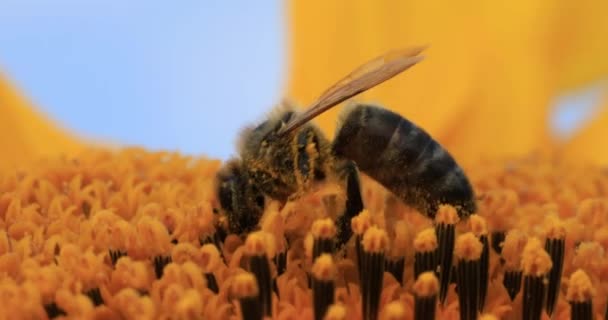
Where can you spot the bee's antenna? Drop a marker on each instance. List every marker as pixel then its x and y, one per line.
pixel 361 79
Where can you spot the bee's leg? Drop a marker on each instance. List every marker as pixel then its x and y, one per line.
pixel 349 174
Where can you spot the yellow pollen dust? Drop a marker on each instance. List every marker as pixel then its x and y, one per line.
pixel 256 244
pixel 588 254
pixel 336 312
pixel 554 228
pixel 375 240
pixel 514 244
pixel 393 311
pixel 324 268
pixel 427 284
pixel 245 285
pixel 446 214
pixel 478 225
pixel 361 222
pixel 468 247
pixel 323 228
pixel 580 288
pixel 535 260
pixel 426 240
pixel 311 150
pixel 592 212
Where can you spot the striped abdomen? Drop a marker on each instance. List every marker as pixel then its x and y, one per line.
pixel 404 159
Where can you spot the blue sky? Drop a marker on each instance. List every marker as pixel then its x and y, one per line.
pixel 182 76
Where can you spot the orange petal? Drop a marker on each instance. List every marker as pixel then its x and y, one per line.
pixel 26 134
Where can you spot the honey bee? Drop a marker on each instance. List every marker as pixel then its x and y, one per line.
pixel 286 155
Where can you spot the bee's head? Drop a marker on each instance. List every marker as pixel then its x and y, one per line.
pixel 242 202
pixel 268 156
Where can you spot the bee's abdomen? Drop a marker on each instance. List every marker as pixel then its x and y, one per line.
pixel 403 158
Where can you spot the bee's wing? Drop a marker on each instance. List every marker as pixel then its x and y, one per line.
pixel 361 79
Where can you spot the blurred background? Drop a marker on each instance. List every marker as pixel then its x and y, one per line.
pixel 182 77
pixel 187 76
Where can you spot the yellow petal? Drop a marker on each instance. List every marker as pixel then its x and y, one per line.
pixel 329 39
pixel 26 134
pixel 579 43
pixel 588 145
pixel 483 89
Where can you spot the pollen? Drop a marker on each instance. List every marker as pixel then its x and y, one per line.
pixel 375 240
pixel 393 311
pixel 258 244
pixel 426 240
pixel 137 234
pixel 245 285
pixel 535 260
pixel 426 285
pixel 361 222
pixel 512 249
pixel 336 312
pixel 324 268
pixel 580 288
pixel 446 214
pixel 468 247
pixel 324 228
pixel 554 228
pixel 478 225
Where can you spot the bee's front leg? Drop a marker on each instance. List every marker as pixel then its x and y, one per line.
pixel 349 175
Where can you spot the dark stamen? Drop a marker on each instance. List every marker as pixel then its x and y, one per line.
pixel 512 282
pixel 354 203
pixel 95 296
pixel 115 255
pixel 536 264
pixel 53 310
pixel 479 227
pixel 160 262
pixel 468 251
pixel 580 296
pixel 245 288
pixel 555 247
pixel 210 258
pixel 324 233
pixel 360 224
pixel 498 237
pixel 324 273
pixel 511 252
pixel 374 246
pixel 255 247
pixel 396 266
pixel 425 256
pixel 445 222
pixel 425 288
pixel 212 283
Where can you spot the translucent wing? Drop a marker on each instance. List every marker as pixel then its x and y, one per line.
pixel 361 79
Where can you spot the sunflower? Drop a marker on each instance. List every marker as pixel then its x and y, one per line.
pixel 88 232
